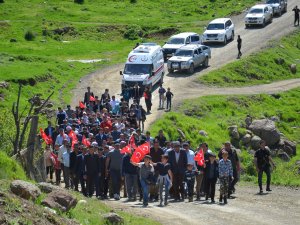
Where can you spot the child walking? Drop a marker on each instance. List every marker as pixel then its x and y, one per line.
pixel 211 176
pixel 146 172
pixel 225 172
pixel 165 178
pixel 189 178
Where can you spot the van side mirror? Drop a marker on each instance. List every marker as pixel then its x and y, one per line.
pixel 121 73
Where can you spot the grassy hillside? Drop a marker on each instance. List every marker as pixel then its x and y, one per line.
pixel 215 114
pixel 259 68
pixel 9 168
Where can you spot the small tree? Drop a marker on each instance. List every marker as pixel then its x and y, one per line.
pixel 29 36
pixel 79 1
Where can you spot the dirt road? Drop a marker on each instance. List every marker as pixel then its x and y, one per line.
pixel 183 86
pixel 281 206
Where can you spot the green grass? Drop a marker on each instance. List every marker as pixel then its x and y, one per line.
pixel 91 212
pixel 215 114
pixel 259 68
pixel 10 169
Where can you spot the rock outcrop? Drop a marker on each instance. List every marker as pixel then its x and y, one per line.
pixel 25 189
pixel 61 200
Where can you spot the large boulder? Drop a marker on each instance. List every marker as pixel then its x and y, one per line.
pixel 47 187
pixel 255 142
pixel 246 139
pixel 233 132
pixel 61 200
pixel 113 218
pixel 284 156
pixel 25 189
pixel 266 130
pixel 289 147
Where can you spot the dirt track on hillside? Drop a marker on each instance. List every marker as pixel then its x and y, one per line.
pixel 281 206
pixel 183 86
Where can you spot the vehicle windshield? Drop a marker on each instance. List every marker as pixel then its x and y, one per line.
pixel 176 41
pixel 253 11
pixel 215 26
pixel 184 53
pixel 138 69
pixel 272 1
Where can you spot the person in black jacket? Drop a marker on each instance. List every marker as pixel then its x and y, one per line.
pixel 87 96
pixel 178 162
pixel 80 170
pixel 102 159
pixel 211 176
pixel 73 158
pixel 91 164
pixel 129 171
pixel 296 11
pixel 239 46
pixel 189 179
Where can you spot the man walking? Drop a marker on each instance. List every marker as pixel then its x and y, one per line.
pixel 262 160
pixel 178 163
pixel 296 11
pixel 161 92
pixel 239 46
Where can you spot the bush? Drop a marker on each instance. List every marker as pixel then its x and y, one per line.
pixel 1 1
pixel 133 1
pixel 133 32
pixel 79 1
pixel 29 36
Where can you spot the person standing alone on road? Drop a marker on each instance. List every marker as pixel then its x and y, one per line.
pixel 239 46
pixel 161 92
pixel 169 96
pixel 296 11
pixel 262 160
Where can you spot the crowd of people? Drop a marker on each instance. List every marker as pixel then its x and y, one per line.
pixel 87 151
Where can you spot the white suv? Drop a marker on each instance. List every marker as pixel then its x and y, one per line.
pixel 219 30
pixel 259 15
pixel 179 40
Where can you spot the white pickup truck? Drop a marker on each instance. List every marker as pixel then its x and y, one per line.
pixel 189 57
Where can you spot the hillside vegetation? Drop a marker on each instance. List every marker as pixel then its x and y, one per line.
pixel 214 114
pixel 260 68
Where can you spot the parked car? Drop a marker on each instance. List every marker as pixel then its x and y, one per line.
pixel 179 40
pixel 259 15
pixel 219 30
pixel 189 57
pixel 278 6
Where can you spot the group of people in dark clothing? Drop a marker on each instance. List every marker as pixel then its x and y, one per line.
pixel 88 150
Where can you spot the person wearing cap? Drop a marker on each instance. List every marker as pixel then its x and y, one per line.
pixel 225 173
pixel 189 179
pixel 233 157
pixel 211 176
pixel 146 177
pixel 113 168
pixel 178 162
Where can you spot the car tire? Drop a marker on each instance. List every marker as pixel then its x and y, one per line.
pixel 232 36
pixel 205 64
pixel 225 40
pixel 170 70
pixel 264 23
pixel 247 26
pixel 192 69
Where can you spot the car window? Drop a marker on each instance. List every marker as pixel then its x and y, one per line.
pixel 199 50
pixel 182 52
pixel 266 9
pixel 196 52
pixel 253 11
pixel 187 40
pixel 204 48
pixel 195 38
pixel 176 41
pixel 215 26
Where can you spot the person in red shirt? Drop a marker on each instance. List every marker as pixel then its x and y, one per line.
pixel 106 123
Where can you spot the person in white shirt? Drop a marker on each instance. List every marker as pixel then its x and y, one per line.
pixel 61 137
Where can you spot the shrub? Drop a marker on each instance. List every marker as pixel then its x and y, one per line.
pixel 1 1
pixel 133 1
pixel 29 36
pixel 79 1
pixel 133 32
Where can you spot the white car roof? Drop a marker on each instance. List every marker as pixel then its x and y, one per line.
pixel 260 6
pixel 183 35
pixel 191 47
pixel 146 48
pixel 219 20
